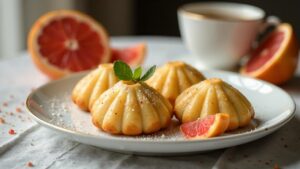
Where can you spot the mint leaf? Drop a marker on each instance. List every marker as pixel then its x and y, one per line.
pixel 122 70
pixel 149 73
pixel 137 74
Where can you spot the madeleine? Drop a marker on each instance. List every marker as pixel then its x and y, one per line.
pixel 90 87
pixel 214 96
pixel 173 78
pixel 131 108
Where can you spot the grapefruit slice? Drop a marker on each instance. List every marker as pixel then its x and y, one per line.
pixel 275 59
pixel 66 41
pixel 210 126
pixel 133 55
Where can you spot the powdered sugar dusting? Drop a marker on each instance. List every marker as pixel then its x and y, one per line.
pixel 61 111
pixel 172 133
pixel 64 113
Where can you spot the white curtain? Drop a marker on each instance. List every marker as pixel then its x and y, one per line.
pixel 16 18
pixel 10 28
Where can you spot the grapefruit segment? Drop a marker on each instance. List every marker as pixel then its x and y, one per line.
pixel 275 59
pixel 66 41
pixel 133 55
pixel 210 126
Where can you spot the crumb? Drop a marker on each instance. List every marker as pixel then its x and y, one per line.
pixel 276 166
pixel 285 146
pixel 23 104
pixel 29 164
pixel 246 156
pixel 5 104
pixel 19 110
pixel 2 121
pixel 11 96
pixel 11 132
pixel 267 163
pixel 11 113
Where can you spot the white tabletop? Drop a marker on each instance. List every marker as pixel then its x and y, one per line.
pixel 46 149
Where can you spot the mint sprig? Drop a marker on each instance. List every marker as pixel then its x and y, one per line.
pixel 137 74
pixel 124 72
pixel 149 73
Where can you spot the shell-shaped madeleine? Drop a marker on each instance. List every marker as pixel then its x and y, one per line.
pixel 90 87
pixel 131 109
pixel 173 78
pixel 213 96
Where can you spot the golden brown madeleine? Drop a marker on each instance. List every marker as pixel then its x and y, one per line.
pixel 213 96
pixel 173 78
pixel 131 109
pixel 90 87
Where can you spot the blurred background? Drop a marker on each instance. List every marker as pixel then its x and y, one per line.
pixel 119 17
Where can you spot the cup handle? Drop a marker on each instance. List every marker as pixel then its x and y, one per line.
pixel 267 26
pixel 270 21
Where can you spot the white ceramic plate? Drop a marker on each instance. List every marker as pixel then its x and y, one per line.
pixel 51 106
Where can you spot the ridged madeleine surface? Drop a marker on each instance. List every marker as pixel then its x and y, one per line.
pixel 131 109
pixel 90 87
pixel 213 96
pixel 173 78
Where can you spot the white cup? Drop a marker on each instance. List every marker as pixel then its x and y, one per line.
pixel 218 34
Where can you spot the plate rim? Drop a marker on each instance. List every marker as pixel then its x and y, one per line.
pixel 271 127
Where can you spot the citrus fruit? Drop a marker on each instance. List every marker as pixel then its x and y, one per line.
pixel 65 41
pixel 275 59
pixel 210 126
pixel 133 55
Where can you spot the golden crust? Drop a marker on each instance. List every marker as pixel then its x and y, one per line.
pixel 131 109
pixel 90 87
pixel 173 78
pixel 213 96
